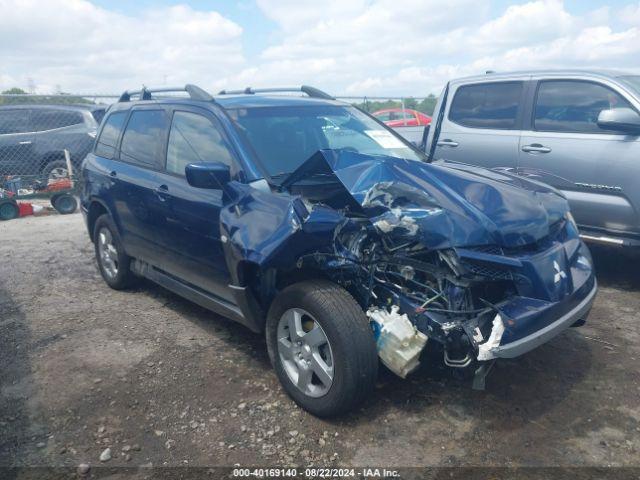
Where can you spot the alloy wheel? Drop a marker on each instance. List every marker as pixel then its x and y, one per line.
pixel 108 253
pixel 305 352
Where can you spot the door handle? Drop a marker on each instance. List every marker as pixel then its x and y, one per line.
pixel 447 143
pixel 162 192
pixel 25 142
pixel 535 148
pixel 113 173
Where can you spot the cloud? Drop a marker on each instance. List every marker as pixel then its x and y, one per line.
pixel 387 48
pixel 81 47
pixel 358 47
pixel 630 14
pixel 527 24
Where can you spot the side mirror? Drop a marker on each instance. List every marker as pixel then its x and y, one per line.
pixel 213 175
pixel 620 119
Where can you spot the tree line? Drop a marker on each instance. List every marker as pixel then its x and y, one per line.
pixel 23 98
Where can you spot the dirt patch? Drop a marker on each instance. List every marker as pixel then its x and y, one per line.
pixel 159 380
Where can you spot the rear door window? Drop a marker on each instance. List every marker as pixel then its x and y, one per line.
pixel 49 119
pixel 487 105
pixel 14 121
pixel 573 106
pixel 144 138
pixel 108 139
pixel 193 139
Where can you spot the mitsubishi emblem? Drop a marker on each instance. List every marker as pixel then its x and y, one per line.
pixel 559 273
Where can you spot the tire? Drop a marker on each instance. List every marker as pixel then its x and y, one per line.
pixel 64 204
pixel 350 349
pixel 9 209
pixel 55 169
pixel 121 276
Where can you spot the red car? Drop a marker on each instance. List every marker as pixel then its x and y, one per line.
pixel 396 117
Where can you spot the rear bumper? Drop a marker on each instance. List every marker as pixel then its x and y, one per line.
pixel 525 344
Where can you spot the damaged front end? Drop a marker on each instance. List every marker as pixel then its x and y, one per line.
pixel 478 264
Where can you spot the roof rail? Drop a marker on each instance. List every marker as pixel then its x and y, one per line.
pixel 195 92
pixel 310 91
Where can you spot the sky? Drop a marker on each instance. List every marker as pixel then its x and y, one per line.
pixel 345 47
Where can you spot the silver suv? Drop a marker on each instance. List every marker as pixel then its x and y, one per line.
pixel 578 131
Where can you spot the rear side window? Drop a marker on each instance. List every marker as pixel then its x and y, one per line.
pixel 487 105
pixel 49 119
pixel 143 139
pixel 98 115
pixel 383 117
pixel 573 106
pixel 108 139
pixel 14 121
pixel 395 115
pixel 193 139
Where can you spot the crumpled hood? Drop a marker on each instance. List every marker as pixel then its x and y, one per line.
pixel 440 204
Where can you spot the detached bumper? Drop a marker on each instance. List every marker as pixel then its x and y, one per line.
pixel 535 339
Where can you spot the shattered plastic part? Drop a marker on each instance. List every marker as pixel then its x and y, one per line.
pixel 398 341
pixel 393 219
pixel 485 349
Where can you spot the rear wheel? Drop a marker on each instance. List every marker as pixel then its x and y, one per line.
pixel 64 203
pixel 321 347
pixel 113 263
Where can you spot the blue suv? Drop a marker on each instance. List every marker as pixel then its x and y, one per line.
pixel 308 220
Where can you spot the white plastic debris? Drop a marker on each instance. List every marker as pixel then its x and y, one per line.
pixel 395 219
pixel 399 343
pixel 485 350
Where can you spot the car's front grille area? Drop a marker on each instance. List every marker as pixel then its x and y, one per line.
pixel 502 272
pixel 485 269
pixel 490 249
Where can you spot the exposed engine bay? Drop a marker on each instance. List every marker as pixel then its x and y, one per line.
pixel 437 257
pixel 411 289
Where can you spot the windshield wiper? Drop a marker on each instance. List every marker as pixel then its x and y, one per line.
pixel 279 174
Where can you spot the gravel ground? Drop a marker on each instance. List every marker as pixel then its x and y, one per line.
pixel 158 380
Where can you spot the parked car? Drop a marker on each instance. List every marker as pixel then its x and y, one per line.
pixel 305 219
pixel 33 137
pixel 578 131
pixel 411 124
pixel 398 117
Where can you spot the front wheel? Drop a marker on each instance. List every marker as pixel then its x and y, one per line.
pixel 321 347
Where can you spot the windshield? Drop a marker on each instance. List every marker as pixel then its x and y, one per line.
pixel 633 81
pixel 284 137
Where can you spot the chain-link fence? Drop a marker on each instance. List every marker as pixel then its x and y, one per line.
pixel 36 129
pixel 44 138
